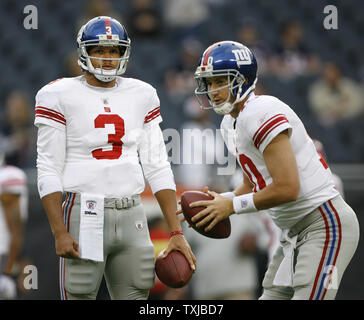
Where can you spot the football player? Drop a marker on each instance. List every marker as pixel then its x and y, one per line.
pixel 13 213
pixel 282 173
pixel 97 134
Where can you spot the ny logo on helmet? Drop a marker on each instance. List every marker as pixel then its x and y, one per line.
pixel 242 56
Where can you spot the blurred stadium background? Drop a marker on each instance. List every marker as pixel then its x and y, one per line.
pixel 294 53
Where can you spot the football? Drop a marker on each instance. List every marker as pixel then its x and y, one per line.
pixel 174 270
pixel 220 231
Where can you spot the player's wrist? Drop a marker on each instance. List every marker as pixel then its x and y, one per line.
pixel 244 203
pixel 229 194
pixel 176 233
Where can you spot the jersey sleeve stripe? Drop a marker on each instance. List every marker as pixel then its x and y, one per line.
pixel 261 127
pixel 153 111
pixel 153 114
pixel 152 118
pixel 41 116
pixel 268 128
pixel 49 110
pixel 50 115
pixel 13 182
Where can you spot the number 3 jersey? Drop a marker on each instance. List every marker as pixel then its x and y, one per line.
pixel 259 122
pixel 100 140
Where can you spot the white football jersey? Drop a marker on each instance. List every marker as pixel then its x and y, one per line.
pixel 105 133
pixel 12 180
pixel 261 119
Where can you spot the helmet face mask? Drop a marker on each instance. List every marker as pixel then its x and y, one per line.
pixel 204 95
pixel 103 31
pixel 230 59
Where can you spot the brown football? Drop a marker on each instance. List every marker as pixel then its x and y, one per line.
pixel 174 270
pixel 220 231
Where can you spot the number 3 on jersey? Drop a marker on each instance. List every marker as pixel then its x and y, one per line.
pixel 114 139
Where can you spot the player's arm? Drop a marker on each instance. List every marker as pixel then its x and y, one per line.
pixel 11 205
pixel 158 172
pixel 244 188
pixel 51 146
pixel 281 164
pixel 167 202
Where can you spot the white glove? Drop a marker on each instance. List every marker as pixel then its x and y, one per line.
pixel 7 288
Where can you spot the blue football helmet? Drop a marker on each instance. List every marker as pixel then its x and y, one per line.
pixel 103 31
pixel 230 59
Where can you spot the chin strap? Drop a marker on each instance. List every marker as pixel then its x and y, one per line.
pixel 248 91
pixel 228 107
pixel 105 75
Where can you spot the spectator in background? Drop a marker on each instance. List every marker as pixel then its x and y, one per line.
pixel 17 131
pixel 334 98
pixel 144 19
pixel 95 8
pixel 248 34
pixel 13 216
pixel 292 57
pixel 201 151
pixel 71 67
pixel 187 15
pixel 179 80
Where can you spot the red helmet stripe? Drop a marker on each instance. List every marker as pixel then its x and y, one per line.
pixel 207 54
pixel 107 28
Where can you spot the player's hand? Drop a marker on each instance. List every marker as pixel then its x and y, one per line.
pixel 66 246
pixel 183 219
pixel 216 210
pixel 178 242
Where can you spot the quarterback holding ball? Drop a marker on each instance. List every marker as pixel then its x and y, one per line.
pixel 283 173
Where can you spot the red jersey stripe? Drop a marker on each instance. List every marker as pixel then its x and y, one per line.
pixel 150 119
pixel 49 110
pixel 339 241
pixel 152 111
pixel 323 254
pixel 13 182
pixel 41 116
pixel 280 114
pixel 39 112
pixel 270 130
pixel 262 133
pixel 152 114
